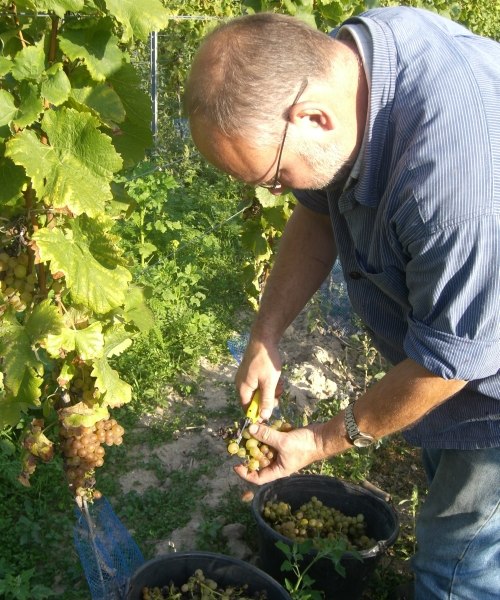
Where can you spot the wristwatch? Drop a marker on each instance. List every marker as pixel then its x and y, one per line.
pixel 356 437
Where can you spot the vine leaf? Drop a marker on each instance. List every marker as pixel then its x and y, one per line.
pixel 31 105
pixel 117 340
pixel 59 7
pixel 91 284
pixel 39 445
pixel 75 170
pixel 134 134
pixel 96 46
pixel 12 180
pixel 138 17
pixel 136 310
pixel 8 109
pixel 56 86
pixel 116 391
pixel 23 370
pixel 29 63
pixel 5 65
pixel 88 343
pixel 99 97
pixel 81 415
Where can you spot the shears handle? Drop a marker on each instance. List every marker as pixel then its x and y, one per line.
pixel 253 408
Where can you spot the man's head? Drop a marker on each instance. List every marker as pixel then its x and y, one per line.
pixel 267 83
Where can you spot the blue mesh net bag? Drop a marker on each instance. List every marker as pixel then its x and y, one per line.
pixel 108 553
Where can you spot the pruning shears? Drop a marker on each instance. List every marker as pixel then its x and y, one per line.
pixel 251 415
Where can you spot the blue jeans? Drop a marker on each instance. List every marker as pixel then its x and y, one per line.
pixel 458 528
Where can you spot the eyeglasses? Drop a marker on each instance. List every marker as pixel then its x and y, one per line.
pixel 276 185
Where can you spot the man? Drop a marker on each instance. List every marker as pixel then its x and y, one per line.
pixel 388 133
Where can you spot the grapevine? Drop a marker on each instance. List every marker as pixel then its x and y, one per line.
pixel 72 116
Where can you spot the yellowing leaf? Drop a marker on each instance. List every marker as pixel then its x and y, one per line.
pixel 76 169
pixel 98 287
pixel 81 415
pixel 108 382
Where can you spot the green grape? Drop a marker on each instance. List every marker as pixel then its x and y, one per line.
pixel 233 447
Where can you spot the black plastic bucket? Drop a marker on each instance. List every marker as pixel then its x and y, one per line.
pixel 382 524
pixel 224 570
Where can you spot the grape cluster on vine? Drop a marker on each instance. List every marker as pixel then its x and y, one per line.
pixel 200 587
pixel 83 452
pixel 315 520
pixel 16 283
pixel 255 454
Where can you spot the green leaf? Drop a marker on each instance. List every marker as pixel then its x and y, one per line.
pixel 102 99
pixel 90 283
pixel 31 104
pixel 96 46
pixel 108 382
pixel 44 320
pixel 117 340
pixel 29 63
pixel 8 109
pixel 138 17
pixel 254 239
pixel 11 410
pixel 134 134
pixel 87 343
pixel 21 367
pixel 59 7
pixel 12 179
pixel 136 310
pixel 75 170
pixel 5 65
pixel 56 86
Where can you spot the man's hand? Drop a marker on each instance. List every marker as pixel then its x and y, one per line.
pixel 260 369
pixel 295 449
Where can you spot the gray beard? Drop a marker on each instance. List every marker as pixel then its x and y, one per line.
pixel 329 166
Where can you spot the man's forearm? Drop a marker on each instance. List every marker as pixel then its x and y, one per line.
pixel 305 257
pixel 402 397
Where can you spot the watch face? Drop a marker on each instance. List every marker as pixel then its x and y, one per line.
pixel 363 442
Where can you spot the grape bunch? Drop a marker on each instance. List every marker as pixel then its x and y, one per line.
pixel 314 520
pixel 255 454
pixel 200 587
pixel 16 283
pixel 83 452
pixel 82 386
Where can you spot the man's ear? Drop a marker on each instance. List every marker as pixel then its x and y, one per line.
pixel 313 116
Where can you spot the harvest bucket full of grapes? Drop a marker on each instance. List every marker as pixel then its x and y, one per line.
pixel 318 507
pixel 202 574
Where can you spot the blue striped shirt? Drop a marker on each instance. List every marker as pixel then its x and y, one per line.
pixel 418 230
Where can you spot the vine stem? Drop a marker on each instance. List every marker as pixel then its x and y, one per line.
pixel 53 39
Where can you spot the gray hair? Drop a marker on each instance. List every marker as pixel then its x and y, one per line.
pixel 247 71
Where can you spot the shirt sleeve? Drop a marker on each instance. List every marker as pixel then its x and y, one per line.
pixel 453 280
